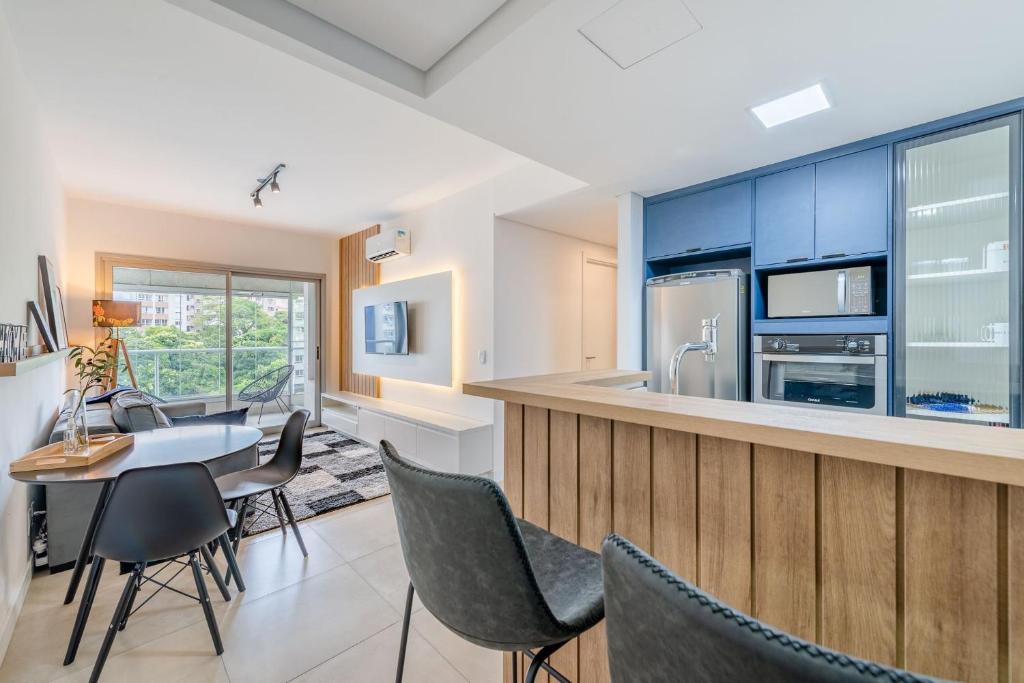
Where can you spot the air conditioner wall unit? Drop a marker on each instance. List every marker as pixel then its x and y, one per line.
pixel 388 245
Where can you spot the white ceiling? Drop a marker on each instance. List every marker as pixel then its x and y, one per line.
pixel 419 32
pixel 682 115
pixel 145 103
pixel 124 84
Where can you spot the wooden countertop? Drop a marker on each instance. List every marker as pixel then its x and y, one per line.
pixel 976 452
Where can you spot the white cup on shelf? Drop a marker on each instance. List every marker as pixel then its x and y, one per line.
pixel 997 334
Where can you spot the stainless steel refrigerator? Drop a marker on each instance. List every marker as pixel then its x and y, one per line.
pixel 697 323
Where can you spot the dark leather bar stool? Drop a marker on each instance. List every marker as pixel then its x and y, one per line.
pixel 661 628
pixel 496 581
pixel 242 489
pixel 156 514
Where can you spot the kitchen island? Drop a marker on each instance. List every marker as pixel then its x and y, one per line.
pixel 892 539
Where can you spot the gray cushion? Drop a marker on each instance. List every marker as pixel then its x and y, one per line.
pixel 227 417
pixel 133 412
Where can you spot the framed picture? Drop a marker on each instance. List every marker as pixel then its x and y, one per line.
pixel 44 331
pixel 52 303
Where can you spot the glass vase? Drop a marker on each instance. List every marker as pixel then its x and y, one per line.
pixel 76 432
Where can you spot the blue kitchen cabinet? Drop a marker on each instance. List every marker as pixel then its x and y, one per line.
pixel 851 204
pixel 784 216
pixel 706 220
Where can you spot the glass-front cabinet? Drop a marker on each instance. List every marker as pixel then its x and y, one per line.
pixel 958 274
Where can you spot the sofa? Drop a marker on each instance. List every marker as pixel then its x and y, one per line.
pixel 69 506
pixel 100 419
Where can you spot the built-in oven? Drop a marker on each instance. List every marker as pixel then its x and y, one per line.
pixel 835 372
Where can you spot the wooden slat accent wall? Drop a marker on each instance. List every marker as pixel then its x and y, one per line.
pixel 356 272
pixel 919 570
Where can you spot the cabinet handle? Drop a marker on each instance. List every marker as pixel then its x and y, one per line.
pixel 836 255
pixel 690 251
pixel 798 259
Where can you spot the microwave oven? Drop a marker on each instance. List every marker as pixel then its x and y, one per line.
pixel 840 291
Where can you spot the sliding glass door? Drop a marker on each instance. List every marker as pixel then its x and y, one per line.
pixel 273 341
pixel 228 338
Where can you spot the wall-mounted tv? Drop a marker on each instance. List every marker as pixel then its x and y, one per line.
pixel 386 328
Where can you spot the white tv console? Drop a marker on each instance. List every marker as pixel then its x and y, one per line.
pixel 437 440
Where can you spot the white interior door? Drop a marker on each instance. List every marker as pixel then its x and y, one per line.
pixel 599 301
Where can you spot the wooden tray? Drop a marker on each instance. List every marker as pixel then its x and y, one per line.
pixel 51 457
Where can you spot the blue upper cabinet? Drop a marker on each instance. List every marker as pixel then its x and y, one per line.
pixel 697 222
pixel 851 204
pixel 784 217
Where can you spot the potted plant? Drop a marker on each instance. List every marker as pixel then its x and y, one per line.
pixel 93 368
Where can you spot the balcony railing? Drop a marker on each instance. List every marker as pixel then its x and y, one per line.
pixel 200 374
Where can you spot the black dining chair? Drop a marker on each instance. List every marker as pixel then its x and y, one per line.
pixel 662 628
pixel 243 489
pixel 157 514
pixel 494 580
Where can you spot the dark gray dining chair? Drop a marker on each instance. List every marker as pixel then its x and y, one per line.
pixel 243 489
pixel 661 628
pixel 494 580
pixel 157 514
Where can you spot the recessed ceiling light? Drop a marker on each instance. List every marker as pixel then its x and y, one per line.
pixel 793 106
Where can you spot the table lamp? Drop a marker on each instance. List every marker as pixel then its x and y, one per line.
pixel 113 315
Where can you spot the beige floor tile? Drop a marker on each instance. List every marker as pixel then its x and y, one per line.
pixel 286 633
pixel 385 571
pixel 185 655
pixel 359 530
pixel 40 639
pixel 477 664
pixel 277 562
pixel 375 659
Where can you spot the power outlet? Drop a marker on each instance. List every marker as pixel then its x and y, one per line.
pixel 482 356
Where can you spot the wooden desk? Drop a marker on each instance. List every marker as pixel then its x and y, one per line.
pixel 896 540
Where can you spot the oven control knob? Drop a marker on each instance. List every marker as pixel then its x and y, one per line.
pixel 777 345
pixel 852 346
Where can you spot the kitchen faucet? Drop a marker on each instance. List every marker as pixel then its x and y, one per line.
pixel 708 346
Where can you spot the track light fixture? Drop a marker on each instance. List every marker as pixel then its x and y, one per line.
pixel 269 179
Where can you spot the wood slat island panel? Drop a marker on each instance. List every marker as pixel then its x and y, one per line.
pixel 857 537
pixel 911 567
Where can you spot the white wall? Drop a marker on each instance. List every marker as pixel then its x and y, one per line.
pixel 630 322
pixel 31 223
pixel 538 304
pixel 455 234
pixel 100 227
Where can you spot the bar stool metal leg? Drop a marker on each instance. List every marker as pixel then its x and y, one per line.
pixel 405 634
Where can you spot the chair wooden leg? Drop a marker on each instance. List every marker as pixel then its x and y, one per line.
pixel 215 573
pixel 241 508
pixel 232 561
pixel 280 514
pixel 291 520
pixel 405 634
pixel 83 609
pixel 204 599
pixel 119 614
